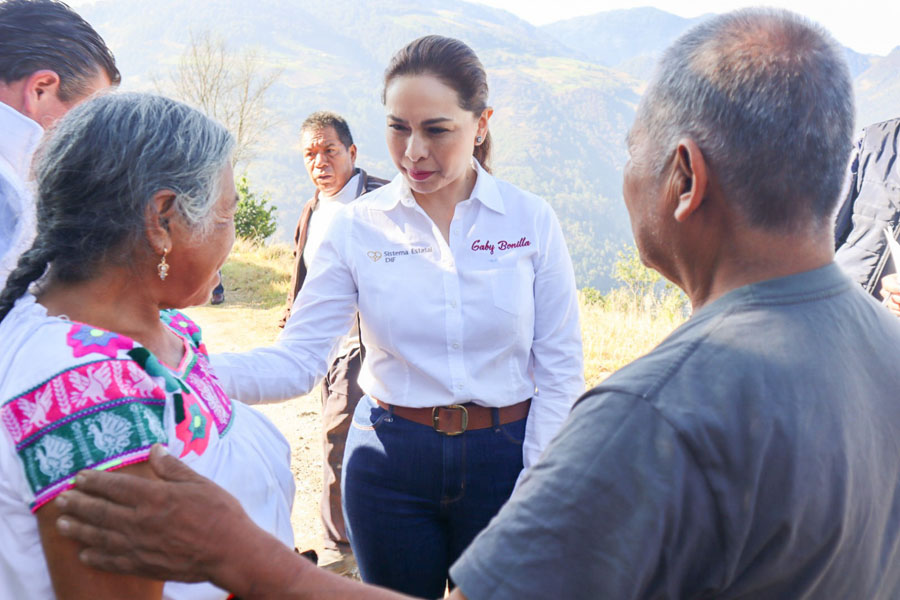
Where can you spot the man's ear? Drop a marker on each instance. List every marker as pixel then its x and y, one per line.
pixel 40 98
pixel 158 220
pixel 352 150
pixel 689 180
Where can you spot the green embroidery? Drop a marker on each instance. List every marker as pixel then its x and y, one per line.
pixel 111 433
pixel 197 426
pixel 95 436
pixel 191 363
pixel 153 367
pixel 145 359
pixel 81 441
pixel 55 456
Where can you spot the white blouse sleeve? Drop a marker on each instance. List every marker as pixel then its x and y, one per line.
pixel 323 313
pixel 556 350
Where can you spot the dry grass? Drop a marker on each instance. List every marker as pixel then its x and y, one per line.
pixel 615 332
pixel 619 331
pixel 256 284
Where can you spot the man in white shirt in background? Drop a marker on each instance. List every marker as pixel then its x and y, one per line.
pixel 50 60
pixel 329 155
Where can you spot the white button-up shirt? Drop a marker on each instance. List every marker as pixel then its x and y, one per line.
pixel 490 317
pixel 19 136
pixel 322 215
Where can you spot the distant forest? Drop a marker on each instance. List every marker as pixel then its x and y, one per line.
pixel 564 94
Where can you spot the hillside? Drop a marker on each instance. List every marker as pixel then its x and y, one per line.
pixel 628 40
pixel 559 121
pixel 878 89
pixel 564 94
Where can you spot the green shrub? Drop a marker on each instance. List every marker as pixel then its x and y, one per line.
pixel 254 219
pixel 592 296
pixel 630 271
pixel 647 288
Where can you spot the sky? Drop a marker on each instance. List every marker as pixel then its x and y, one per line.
pixel 867 26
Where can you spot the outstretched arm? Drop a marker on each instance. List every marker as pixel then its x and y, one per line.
pixel 323 313
pixel 186 528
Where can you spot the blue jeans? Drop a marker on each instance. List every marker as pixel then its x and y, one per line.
pixel 415 498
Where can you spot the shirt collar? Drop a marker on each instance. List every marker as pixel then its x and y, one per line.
pixel 389 195
pixel 485 191
pixel 346 193
pixel 821 282
pixel 19 140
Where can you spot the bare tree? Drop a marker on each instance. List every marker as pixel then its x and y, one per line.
pixel 228 86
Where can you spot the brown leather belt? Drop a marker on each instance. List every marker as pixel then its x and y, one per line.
pixel 457 418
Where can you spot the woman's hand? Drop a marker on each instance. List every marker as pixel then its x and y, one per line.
pixel 890 291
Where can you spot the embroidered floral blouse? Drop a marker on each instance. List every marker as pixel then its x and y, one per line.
pixel 73 397
pixel 104 407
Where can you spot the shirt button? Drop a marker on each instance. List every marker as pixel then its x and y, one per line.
pixel 455 346
pixel 453 304
pixel 459 386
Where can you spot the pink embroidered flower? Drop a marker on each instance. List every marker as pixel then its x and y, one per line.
pixel 182 326
pixel 180 323
pixel 85 339
pixel 194 430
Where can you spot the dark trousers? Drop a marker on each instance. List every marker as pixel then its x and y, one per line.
pixel 340 395
pixel 414 498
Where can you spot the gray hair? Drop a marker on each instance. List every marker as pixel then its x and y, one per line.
pixel 767 96
pixel 98 170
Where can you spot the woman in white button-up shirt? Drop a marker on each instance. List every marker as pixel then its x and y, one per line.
pixel 467 300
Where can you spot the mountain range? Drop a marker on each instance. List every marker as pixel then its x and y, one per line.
pixel 564 94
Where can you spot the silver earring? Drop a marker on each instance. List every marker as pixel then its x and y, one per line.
pixel 478 140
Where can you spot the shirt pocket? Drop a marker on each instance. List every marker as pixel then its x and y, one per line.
pixel 505 284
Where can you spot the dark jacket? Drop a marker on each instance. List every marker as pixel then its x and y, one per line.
pixel 366 184
pixel 871 202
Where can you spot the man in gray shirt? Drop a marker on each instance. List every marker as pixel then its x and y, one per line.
pixel 753 454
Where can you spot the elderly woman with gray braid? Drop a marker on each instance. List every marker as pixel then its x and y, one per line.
pixel 135 201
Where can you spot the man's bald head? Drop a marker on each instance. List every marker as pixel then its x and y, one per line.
pixel 767 96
